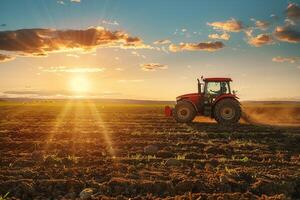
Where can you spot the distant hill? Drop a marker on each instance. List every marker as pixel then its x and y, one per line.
pixel 137 101
pixel 272 102
pixel 296 98
pixel 116 101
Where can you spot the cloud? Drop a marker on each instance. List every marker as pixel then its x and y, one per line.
pixel 164 50
pixel 202 46
pixel 40 42
pixel 130 80
pixel 119 69
pixel 73 55
pixel 263 25
pixel 260 40
pixel 72 69
pixel 289 22
pixel 61 2
pixel 162 42
pixel 293 11
pixel 287 34
pixel 37 93
pixel 285 59
pixel 5 58
pixel 153 66
pixel 224 36
pixel 231 25
pixel 114 22
pixel 135 53
pixel 249 32
pixel 29 92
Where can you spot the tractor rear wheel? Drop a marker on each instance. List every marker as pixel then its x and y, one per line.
pixel 227 112
pixel 184 112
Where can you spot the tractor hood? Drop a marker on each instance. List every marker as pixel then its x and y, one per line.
pixel 184 96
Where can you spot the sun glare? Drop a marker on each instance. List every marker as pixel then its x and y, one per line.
pixel 79 84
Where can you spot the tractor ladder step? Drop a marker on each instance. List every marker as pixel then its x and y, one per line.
pixel 207 110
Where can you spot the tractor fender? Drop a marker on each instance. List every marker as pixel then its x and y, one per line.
pixel 189 101
pixel 226 96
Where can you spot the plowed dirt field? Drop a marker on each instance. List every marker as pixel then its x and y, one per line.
pixel 56 150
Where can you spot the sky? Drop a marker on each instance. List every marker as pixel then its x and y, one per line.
pixel 148 49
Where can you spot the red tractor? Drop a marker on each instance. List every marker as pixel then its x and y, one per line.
pixel 213 99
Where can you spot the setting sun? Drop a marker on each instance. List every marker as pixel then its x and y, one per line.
pixel 79 84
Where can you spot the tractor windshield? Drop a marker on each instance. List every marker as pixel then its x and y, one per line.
pixel 217 88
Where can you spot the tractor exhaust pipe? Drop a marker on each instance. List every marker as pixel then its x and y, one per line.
pixel 199 86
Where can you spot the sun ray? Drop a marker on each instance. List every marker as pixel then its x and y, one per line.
pixel 104 130
pixel 78 134
pixel 58 124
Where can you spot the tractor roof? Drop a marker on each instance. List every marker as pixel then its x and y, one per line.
pixel 217 79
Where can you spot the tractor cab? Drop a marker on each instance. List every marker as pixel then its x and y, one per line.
pixel 212 90
pixel 214 86
pixel 213 99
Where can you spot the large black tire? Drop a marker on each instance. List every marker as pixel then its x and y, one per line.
pixel 227 112
pixel 184 112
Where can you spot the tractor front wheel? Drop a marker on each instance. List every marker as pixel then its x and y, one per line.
pixel 227 112
pixel 184 112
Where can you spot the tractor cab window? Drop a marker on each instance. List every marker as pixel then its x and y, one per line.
pixel 217 88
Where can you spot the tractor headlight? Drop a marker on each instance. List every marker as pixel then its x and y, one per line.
pixel 178 98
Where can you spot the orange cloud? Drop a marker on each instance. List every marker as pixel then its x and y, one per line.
pixel 231 25
pixel 162 42
pixel 293 11
pixel 287 35
pixel 260 40
pixel 130 80
pixel 285 59
pixel 202 46
pixel 224 36
pixel 5 58
pixel 73 69
pixel 39 42
pixel 263 25
pixel 153 66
